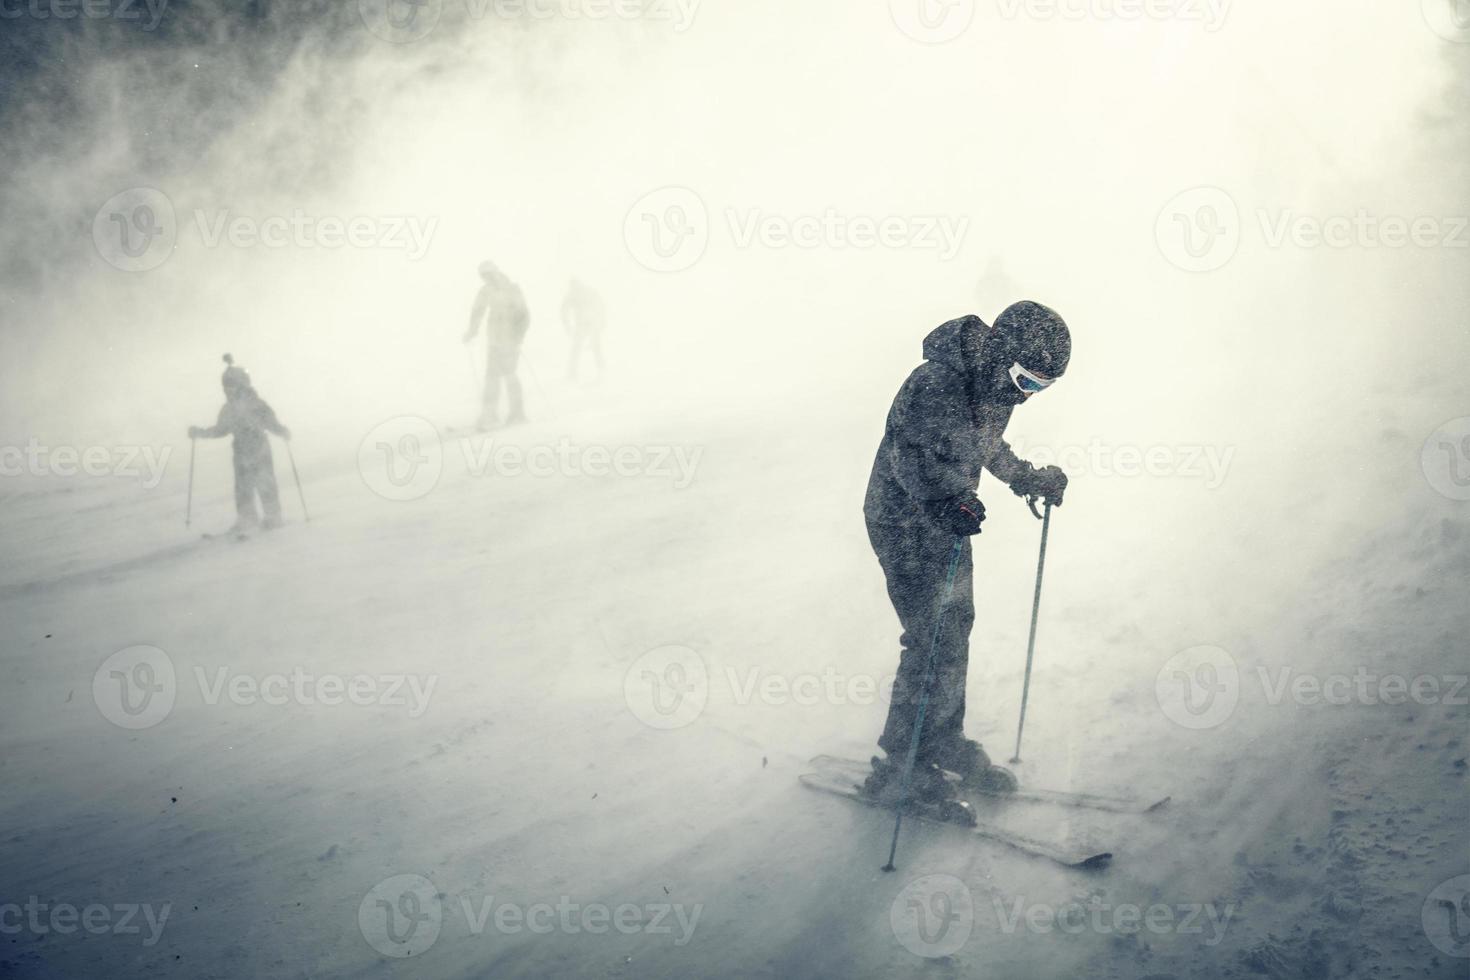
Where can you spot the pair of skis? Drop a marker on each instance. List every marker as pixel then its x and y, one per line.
pixel 845 777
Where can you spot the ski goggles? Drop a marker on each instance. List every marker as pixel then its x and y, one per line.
pixel 1026 381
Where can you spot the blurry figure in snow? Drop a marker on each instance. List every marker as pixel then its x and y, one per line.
pixel 946 426
pixel 502 306
pixel 247 417
pixel 583 315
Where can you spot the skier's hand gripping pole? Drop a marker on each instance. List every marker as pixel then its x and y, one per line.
pixel 908 767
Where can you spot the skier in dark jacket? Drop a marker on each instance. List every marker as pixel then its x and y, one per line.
pixel 946 426
pixel 247 417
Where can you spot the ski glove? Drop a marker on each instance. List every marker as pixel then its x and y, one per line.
pixel 195 432
pixel 1048 482
pixel 960 514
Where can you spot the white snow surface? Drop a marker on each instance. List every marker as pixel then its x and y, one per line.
pixel 529 778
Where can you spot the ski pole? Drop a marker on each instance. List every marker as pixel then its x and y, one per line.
pixel 292 457
pixel 908 767
pixel 189 496
pixel 1031 641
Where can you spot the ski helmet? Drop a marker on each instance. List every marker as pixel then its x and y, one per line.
pixel 1035 336
pixel 234 376
pixel 488 270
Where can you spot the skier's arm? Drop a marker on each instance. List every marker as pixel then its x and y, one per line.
pixel 1007 467
pixel 477 313
pixel 219 430
pixel 1024 479
pixel 270 423
pixel 567 312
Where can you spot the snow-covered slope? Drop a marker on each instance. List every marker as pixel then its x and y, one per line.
pixel 544 756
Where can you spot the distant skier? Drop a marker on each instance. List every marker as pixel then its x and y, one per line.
pixel 584 316
pixel 945 426
pixel 247 417
pixel 502 306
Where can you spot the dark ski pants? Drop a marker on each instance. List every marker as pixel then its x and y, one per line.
pixel 915 559
pixel 256 473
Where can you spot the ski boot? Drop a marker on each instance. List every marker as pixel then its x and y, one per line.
pixel 967 759
pixel 929 792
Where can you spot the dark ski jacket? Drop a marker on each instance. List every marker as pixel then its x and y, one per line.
pixel 248 418
pixel 940 434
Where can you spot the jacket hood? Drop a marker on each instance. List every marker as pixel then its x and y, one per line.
pixel 957 343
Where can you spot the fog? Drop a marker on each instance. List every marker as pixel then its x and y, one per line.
pixel 1252 217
